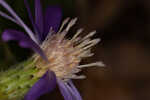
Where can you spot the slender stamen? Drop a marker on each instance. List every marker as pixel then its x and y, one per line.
pixel 86 53
pixel 77 77
pixel 89 35
pixel 72 22
pixel 92 43
pixel 63 24
pixel 76 70
pixel 30 33
pixel 84 43
pixel 73 76
pixel 77 34
pixel 92 64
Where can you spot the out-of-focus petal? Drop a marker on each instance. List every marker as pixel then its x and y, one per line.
pixel 39 15
pixel 74 90
pixel 29 11
pixel 19 20
pixel 52 18
pixel 64 90
pixel 46 84
pixel 32 20
pixel 24 41
pixel 68 90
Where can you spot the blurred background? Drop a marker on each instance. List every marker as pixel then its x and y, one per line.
pixel 124 28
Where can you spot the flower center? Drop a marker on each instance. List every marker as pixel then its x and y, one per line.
pixel 64 55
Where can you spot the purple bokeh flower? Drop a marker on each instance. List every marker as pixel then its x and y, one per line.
pixel 42 23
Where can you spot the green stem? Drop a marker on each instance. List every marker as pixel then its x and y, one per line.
pixel 15 82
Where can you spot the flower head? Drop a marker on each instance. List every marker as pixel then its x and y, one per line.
pixel 60 58
pixel 41 25
pixel 64 54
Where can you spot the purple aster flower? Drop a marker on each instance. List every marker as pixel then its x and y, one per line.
pixel 59 57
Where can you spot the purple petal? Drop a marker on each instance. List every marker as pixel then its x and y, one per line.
pixel 19 20
pixel 68 90
pixel 52 19
pixel 74 90
pixel 64 90
pixel 24 41
pixel 46 84
pixel 39 15
pixel 9 17
pixel 29 11
pixel 31 19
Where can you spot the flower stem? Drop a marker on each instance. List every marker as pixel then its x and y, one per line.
pixel 15 82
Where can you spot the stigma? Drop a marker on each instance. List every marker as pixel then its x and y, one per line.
pixel 64 55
